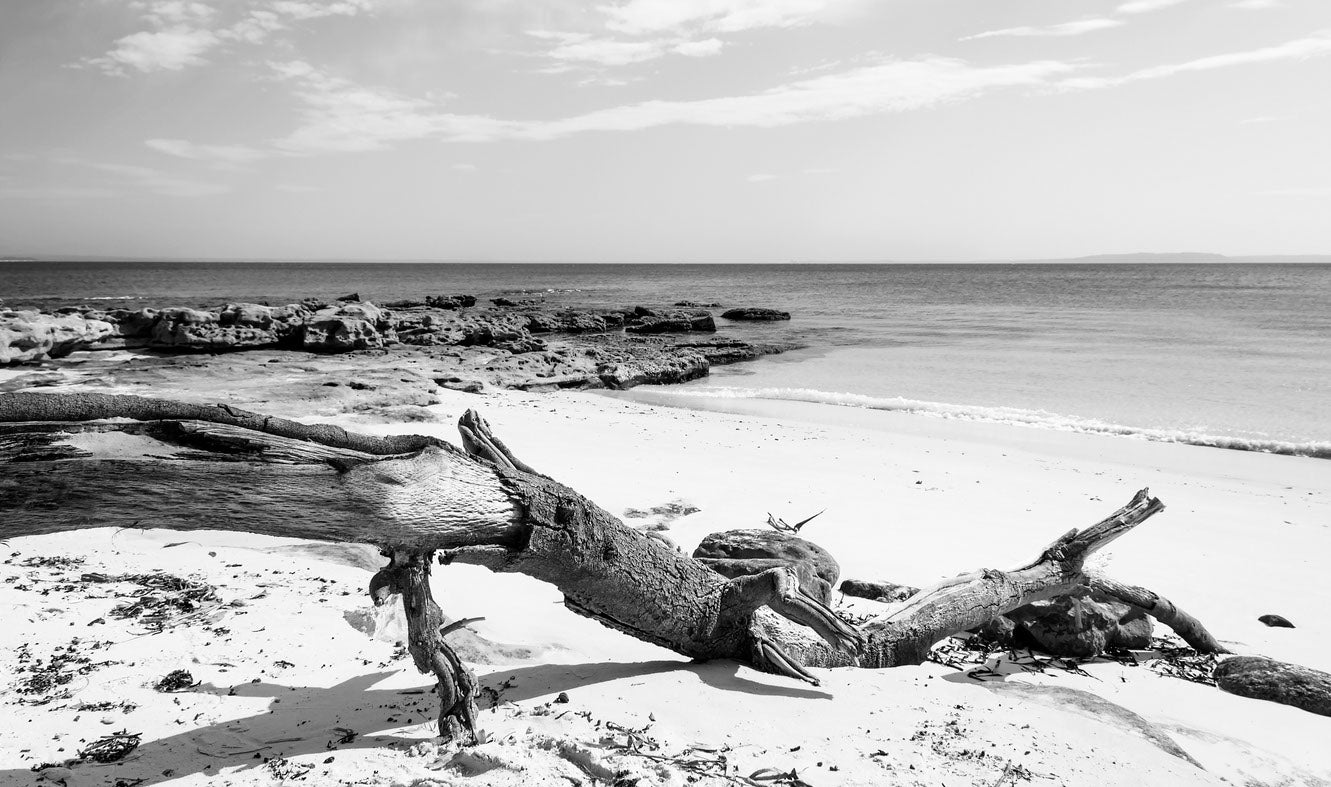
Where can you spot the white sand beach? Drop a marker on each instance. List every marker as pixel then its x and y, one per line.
pixel 295 658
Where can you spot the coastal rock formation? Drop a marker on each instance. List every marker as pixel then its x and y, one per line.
pixel 1267 679
pixel 1083 623
pixel 450 301
pixel 752 314
pixel 674 322
pixel 655 369
pixel 736 553
pixel 517 346
pixel 237 326
pixel 352 326
pixel 27 336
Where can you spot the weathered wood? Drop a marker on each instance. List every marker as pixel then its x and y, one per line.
pixel 196 467
pixel 1189 629
pixel 408 574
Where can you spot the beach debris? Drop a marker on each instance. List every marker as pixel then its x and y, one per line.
pixel 1275 621
pixel 283 769
pixel 111 748
pixel 44 681
pixel 175 680
pixel 780 524
pixel 162 600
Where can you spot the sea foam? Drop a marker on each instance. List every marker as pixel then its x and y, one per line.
pixel 1003 415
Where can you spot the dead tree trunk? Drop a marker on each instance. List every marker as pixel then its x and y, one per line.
pixel 191 467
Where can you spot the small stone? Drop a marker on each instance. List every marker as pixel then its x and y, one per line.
pixel 562 698
pixel 1275 621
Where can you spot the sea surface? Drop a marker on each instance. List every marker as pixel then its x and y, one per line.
pixel 1229 355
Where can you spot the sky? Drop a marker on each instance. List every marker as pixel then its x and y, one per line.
pixel 664 130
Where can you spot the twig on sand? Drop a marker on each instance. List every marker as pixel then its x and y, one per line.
pixel 780 524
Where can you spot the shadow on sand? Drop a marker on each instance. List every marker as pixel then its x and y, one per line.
pixel 303 720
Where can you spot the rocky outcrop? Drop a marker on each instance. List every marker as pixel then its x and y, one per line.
pixel 450 301
pixel 28 336
pixel 756 315
pixel 566 322
pixel 696 305
pixel 1261 678
pixel 238 326
pixel 736 553
pixel 673 322
pixel 657 369
pixel 352 326
pixel 1083 623
pixel 519 346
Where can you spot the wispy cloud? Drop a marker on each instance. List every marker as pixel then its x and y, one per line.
pixel 1048 31
pixel 169 49
pixel 583 48
pixel 1257 5
pixel 637 31
pixel 226 154
pixel 340 116
pixel 1316 45
pixel 184 31
pixel 637 17
pixel 1146 6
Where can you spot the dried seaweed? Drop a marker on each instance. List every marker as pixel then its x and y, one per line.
pixel 112 748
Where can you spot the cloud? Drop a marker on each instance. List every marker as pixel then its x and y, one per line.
pixel 185 30
pixel 225 154
pixel 296 188
pixel 340 116
pixel 637 17
pixel 1316 45
pixel 1257 5
pixel 1065 29
pixel 163 50
pixel 1146 6
pixel 582 48
pixel 760 177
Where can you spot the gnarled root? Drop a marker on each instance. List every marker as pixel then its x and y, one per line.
pixel 409 574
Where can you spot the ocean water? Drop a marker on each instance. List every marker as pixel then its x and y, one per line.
pixel 1235 355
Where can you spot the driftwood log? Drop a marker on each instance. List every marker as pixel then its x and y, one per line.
pixel 94 460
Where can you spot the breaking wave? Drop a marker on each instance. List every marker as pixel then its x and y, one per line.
pixel 1005 415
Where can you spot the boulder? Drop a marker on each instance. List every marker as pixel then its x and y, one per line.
pixel 736 553
pixel 1261 678
pixel 674 322
pixel 352 326
pixel 1275 621
pixel 886 592
pixel 756 315
pixel 659 369
pixel 450 301
pixel 134 324
pixel 1083 623
pixel 27 336
pixel 719 350
pixel 352 298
